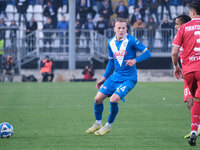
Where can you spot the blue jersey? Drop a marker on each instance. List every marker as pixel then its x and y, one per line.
pixel 122 50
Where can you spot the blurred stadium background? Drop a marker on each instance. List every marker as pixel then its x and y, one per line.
pixel 90 43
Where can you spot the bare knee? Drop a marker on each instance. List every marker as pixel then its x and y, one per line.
pixel 99 98
pixel 115 98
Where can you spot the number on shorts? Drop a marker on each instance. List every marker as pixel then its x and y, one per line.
pixel 123 88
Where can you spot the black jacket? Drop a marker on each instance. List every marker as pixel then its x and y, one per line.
pixel 48 27
pixel 3 5
pixel 22 6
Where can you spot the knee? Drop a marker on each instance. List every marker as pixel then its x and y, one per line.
pixel 98 100
pixel 115 98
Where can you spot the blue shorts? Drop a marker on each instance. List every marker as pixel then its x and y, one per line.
pixel 110 87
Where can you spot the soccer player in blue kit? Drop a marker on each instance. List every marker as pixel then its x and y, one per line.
pixel 118 83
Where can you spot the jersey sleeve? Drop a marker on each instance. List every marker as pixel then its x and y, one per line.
pixel 138 45
pixel 178 40
pixel 110 53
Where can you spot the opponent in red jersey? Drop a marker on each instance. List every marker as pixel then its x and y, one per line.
pixel 188 37
pixel 180 20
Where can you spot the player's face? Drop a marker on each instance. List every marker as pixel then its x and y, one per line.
pixel 120 29
pixel 178 23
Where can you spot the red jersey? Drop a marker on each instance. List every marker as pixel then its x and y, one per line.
pixel 188 37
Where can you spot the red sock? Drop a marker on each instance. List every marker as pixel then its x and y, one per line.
pixel 195 114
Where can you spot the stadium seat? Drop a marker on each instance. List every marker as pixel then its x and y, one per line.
pixel 64 9
pixel 60 10
pixel 173 9
pixel 131 9
pixel 40 25
pixel 30 9
pixel 158 35
pixel 16 17
pixel 38 17
pixel 159 9
pixel 179 10
pixel 10 16
pixel 10 9
pixel 59 16
pixel 38 9
pixel 157 43
pixel 29 15
pixel 174 15
pixel 67 17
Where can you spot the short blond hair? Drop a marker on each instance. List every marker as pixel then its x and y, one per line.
pixel 120 20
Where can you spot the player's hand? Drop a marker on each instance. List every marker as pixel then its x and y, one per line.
pixel 130 62
pixel 100 82
pixel 178 73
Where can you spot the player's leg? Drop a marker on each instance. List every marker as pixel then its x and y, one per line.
pixel 189 102
pixel 98 110
pixel 105 91
pixel 121 91
pixel 193 81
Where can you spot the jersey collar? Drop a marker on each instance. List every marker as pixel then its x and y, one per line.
pixel 195 18
pixel 122 38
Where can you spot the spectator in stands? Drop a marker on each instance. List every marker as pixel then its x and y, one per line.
pixel 82 10
pixel 186 8
pixel 111 26
pixel 78 28
pixel 101 25
pixel 153 8
pixel 106 10
pixel 122 10
pixel 99 3
pixel 22 6
pixel 88 72
pixel 57 4
pixel 8 68
pixel 166 33
pixel 3 5
pixel 136 15
pixel 50 11
pixel 63 35
pixel 2 31
pixel 166 4
pixel 31 27
pixel 151 32
pixel 13 34
pixel 46 69
pixel 88 26
pixel 139 25
pixel 48 34
pixel 142 7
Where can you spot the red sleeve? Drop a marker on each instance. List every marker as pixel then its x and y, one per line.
pixel 178 40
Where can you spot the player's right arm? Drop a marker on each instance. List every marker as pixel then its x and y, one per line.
pixel 178 40
pixel 109 68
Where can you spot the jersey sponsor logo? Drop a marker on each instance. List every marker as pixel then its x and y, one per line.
pixel 121 53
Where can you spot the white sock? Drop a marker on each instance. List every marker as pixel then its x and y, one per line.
pixel 109 124
pixel 98 122
pixel 194 132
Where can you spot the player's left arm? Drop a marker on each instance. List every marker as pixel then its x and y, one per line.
pixel 144 56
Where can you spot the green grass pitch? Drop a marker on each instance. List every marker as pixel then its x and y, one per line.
pixel 54 116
